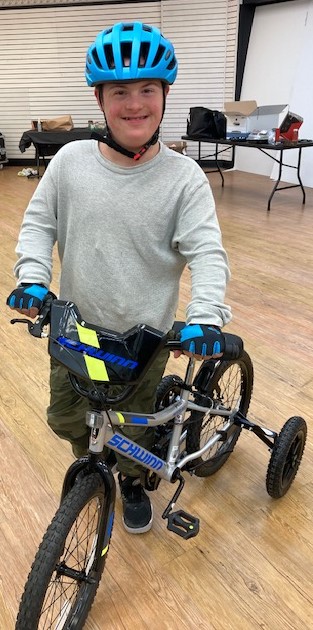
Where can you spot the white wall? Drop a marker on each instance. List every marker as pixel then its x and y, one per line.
pixel 42 58
pixel 279 70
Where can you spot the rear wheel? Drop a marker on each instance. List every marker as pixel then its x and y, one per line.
pixel 229 387
pixel 69 563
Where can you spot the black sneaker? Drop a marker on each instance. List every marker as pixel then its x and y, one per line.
pixel 137 509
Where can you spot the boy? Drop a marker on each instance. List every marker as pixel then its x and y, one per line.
pixel 128 215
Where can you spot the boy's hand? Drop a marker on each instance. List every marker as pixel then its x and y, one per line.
pixel 202 341
pixel 27 299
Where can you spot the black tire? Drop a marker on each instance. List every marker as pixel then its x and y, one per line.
pixel 51 598
pixel 167 390
pixel 230 385
pixel 286 457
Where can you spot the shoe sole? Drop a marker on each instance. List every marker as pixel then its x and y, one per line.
pixel 139 530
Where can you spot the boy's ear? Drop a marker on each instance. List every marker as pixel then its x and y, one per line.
pixel 98 95
pixel 166 89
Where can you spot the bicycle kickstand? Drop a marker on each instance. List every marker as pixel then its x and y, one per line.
pixel 180 522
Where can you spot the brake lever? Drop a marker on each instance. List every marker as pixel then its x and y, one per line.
pixel 34 328
pixel 18 320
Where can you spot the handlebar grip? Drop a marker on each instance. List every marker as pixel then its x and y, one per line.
pixel 233 343
pixel 233 346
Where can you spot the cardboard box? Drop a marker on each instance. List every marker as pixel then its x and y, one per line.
pixel 180 146
pixel 246 116
pixel 237 114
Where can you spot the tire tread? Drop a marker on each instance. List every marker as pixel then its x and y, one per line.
pixel 50 550
pixel 288 433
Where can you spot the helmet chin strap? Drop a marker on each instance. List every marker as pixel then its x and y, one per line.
pixel 107 138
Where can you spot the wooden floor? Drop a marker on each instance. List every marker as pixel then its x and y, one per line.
pixel 250 567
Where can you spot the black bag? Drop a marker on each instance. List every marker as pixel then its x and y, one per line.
pixel 206 123
pixel 3 156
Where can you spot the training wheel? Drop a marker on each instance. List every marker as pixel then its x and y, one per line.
pixel 286 457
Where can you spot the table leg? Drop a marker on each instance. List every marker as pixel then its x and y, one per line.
pixel 37 162
pixel 217 164
pixel 299 185
pixel 277 181
pixel 298 174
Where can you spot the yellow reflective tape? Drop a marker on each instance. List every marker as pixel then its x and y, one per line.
pixel 120 417
pixel 104 550
pixel 95 367
pixel 88 336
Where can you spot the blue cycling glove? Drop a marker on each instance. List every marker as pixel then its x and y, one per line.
pixel 203 340
pixel 27 296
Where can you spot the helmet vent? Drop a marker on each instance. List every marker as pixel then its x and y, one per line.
pixel 172 63
pixel 96 58
pixel 143 55
pixel 126 52
pixel 158 56
pixel 108 51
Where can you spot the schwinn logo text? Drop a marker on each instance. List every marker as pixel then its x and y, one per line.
pixel 97 353
pixel 139 453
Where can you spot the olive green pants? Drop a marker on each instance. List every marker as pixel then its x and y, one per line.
pixel 67 412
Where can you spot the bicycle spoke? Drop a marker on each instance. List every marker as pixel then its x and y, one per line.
pixel 227 388
pixel 60 590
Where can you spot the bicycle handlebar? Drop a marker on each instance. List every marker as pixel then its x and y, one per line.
pixel 233 343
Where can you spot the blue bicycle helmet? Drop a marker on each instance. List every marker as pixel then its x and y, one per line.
pixel 130 52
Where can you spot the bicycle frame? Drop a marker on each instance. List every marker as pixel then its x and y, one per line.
pixel 102 434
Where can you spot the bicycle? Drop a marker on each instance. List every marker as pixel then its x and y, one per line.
pixel 198 421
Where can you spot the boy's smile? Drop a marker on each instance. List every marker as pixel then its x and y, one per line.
pixel 135 118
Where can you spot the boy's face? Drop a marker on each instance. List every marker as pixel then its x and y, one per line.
pixel 133 110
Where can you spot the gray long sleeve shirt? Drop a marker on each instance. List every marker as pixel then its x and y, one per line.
pixel 124 237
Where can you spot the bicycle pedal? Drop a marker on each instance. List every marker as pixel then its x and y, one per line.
pixel 183 524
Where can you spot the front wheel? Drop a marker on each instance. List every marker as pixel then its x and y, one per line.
pixel 229 386
pixel 286 457
pixel 66 572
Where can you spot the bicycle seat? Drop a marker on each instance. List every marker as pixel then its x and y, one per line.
pixel 98 354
